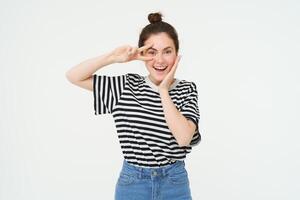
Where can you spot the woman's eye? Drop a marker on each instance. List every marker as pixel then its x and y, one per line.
pixel 150 52
pixel 168 52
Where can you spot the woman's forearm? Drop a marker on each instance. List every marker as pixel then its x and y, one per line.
pixel 181 128
pixel 88 67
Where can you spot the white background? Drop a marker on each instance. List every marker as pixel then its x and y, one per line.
pixel 243 56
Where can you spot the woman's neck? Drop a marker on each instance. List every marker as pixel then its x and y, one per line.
pixel 156 82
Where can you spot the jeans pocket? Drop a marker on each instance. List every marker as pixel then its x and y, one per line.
pixel 178 177
pixel 125 179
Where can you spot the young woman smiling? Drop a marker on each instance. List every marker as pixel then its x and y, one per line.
pixel 156 115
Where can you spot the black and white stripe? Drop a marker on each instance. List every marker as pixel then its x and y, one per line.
pixel 107 90
pixel 136 107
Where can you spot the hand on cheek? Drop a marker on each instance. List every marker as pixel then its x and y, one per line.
pixel 167 81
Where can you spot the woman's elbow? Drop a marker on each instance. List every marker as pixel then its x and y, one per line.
pixel 184 142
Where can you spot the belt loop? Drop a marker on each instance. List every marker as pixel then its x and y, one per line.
pixel 164 172
pixel 140 172
pixel 166 169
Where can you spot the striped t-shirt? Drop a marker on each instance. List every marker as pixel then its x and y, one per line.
pixel 135 104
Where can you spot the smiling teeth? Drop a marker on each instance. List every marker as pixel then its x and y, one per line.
pixel 160 67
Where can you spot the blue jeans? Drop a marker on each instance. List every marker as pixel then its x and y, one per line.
pixel 169 182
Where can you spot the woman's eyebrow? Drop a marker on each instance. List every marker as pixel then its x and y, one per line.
pixel 156 49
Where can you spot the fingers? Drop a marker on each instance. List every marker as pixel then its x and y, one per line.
pixel 177 61
pixel 145 47
pixel 144 58
pixel 131 51
pixel 136 52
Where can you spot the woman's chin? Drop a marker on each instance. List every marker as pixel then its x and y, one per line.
pixel 159 75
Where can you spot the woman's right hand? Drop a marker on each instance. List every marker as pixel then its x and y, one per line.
pixel 127 53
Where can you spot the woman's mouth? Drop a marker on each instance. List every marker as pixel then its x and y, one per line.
pixel 160 68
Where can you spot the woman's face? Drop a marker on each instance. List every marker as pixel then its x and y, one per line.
pixel 164 56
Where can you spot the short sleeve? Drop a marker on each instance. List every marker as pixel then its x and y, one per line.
pixel 190 110
pixel 107 91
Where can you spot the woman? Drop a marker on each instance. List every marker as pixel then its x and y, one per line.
pixel 156 115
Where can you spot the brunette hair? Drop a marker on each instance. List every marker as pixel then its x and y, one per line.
pixel 158 26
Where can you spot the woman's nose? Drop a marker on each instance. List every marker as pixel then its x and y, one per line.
pixel 159 58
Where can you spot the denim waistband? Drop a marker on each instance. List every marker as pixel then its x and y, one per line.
pixel 148 172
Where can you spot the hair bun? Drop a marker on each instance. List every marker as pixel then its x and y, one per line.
pixel 154 17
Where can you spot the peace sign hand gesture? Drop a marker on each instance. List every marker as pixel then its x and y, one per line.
pixel 127 53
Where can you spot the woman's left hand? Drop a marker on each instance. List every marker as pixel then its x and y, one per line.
pixel 168 80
